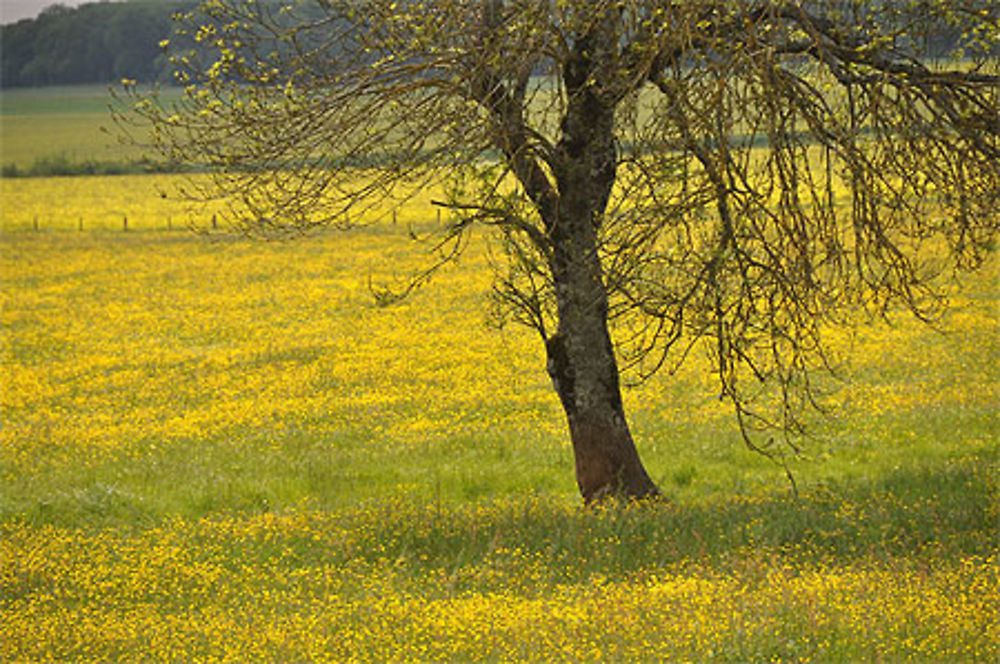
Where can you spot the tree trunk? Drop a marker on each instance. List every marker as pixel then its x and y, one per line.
pixel 584 372
pixel 581 358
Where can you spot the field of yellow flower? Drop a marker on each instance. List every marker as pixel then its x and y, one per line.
pixel 215 449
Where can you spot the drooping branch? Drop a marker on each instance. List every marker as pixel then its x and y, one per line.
pixel 778 110
pixel 754 172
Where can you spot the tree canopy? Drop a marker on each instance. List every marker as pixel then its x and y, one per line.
pixel 733 177
pixel 94 43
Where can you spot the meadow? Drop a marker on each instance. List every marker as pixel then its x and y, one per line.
pixel 64 131
pixel 222 450
pixel 219 449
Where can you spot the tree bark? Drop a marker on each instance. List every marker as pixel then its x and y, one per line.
pixel 581 358
pixel 583 369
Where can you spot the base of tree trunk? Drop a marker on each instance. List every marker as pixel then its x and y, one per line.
pixel 607 463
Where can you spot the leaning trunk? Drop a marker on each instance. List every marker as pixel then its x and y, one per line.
pixel 582 365
pixel 581 358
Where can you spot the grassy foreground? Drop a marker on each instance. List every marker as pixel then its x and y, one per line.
pixel 222 451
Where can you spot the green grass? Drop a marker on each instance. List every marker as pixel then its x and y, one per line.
pixel 405 471
pixel 936 493
pixel 224 451
pixel 63 131
pixel 488 446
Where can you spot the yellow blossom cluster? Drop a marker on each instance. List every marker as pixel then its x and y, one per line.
pixel 120 203
pixel 128 340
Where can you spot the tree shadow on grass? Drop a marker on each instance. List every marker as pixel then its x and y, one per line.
pixel 931 513
pixel 951 509
pixel 943 511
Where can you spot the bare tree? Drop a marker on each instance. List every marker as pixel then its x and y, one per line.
pixel 734 175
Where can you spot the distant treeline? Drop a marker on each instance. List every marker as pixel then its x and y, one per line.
pixel 94 43
pixel 102 42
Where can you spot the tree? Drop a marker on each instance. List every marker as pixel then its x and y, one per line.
pixel 734 175
pixel 98 42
